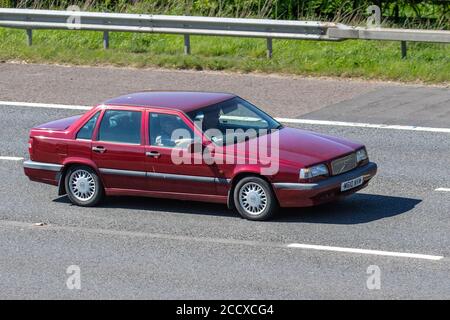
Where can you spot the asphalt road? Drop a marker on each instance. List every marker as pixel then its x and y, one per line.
pixel 148 248
pixel 87 86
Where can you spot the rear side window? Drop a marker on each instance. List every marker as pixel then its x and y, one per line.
pixel 87 130
pixel 121 126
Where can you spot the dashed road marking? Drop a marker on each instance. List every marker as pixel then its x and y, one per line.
pixel 443 189
pixel 11 158
pixel 363 125
pixel 42 105
pixel 365 251
pixel 224 241
pixel 284 120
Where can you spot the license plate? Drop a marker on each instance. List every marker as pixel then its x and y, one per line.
pixel 350 184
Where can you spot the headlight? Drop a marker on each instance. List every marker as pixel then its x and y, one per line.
pixel 319 170
pixel 361 155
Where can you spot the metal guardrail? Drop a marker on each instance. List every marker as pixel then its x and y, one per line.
pixel 190 25
pixel 391 34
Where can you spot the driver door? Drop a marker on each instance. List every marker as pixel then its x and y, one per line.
pixel 169 135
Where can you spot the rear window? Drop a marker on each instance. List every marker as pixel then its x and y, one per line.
pixel 121 126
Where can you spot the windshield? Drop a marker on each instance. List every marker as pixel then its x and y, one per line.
pixel 232 121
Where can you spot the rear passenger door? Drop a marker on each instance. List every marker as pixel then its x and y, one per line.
pixel 118 149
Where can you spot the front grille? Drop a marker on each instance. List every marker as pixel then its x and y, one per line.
pixel 343 164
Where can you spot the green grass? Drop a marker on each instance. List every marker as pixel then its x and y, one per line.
pixel 429 63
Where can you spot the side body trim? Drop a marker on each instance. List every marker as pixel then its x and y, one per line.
pixel 169 176
pixel 42 166
pixel 123 172
pixel 183 177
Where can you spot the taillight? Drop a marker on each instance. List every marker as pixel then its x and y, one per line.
pixel 30 147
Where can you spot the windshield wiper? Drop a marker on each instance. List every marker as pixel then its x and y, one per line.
pixel 278 127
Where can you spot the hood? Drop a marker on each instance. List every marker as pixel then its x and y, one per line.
pixel 59 125
pixel 308 148
pixel 305 148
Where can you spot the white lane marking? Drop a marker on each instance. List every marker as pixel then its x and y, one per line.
pixel 443 189
pixel 365 251
pixel 11 158
pixel 183 238
pixel 42 105
pixel 284 120
pixel 362 125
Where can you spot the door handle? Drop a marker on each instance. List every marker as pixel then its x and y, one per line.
pixel 99 149
pixel 153 154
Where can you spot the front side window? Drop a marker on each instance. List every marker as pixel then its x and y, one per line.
pixel 229 121
pixel 121 126
pixel 87 130
pixel 170 131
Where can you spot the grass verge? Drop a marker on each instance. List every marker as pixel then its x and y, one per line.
pixel 428 63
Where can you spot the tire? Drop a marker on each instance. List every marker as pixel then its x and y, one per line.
pixel 83 186
pixel 254 199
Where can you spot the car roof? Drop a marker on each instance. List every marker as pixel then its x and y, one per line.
pixel 185 101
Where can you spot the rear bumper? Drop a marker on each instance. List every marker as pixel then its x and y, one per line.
pixel 43 171
pixel 310 194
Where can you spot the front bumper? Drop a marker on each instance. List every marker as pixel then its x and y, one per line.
pixel 310 194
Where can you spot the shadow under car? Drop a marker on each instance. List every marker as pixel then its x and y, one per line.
pixel 355 209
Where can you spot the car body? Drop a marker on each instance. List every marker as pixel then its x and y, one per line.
pixel 123 147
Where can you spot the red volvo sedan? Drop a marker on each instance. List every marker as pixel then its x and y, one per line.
pixel 202 146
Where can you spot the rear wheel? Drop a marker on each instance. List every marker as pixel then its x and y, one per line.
pixel 254 199
pixel 83 186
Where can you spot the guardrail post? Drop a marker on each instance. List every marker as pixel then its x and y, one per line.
pixel 269 48
pixel 404 49
pixel 105 39
pixel 187 44
pixel 30 37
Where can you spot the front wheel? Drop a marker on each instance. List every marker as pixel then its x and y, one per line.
pixel 83 186
pixel 254 199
